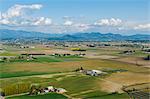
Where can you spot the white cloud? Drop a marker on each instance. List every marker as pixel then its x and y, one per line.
pixel 16 15
pixel 17 10
pixel 74 24
pixel 108 22
pixel 82 27
pixel 76 27
pixel 4 21
pixel 42 21
pixel 0 15
pixel 142 27
pixel 68 23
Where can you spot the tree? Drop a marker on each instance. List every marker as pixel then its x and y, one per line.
pixel 34 89
pixel 4 59
pixel 2 93
pixel 148 57
pixel 81 68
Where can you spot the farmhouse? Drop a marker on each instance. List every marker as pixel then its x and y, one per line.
pixel 27 46
pixel 94 72
pixel 36 89
pixel 90 72
pixel 52 89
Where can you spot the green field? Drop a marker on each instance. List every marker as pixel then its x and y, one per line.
pixel 83 86
pixel 19 74
pixel 8 54
pixel 93 95
pixel 40 59
pixel 103 95
pixel 47 59
pixel 16 76
pixel 45 96
pixel 15 69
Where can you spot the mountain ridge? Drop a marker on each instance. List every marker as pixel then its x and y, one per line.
pixel 90 36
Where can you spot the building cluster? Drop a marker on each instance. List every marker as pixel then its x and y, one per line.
pixel 91 72
pixel 38 90
pixel 67 54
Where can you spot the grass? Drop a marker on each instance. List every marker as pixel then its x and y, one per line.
pixel 13 81
pixel 139 53
pixel 16 69
pixel 48 59
pixel 19 74
pixel 22 85
pixel 8 54
pixel 93 95
pixel 76 84
pixel 108 96
pixel 38 59
pixel 45 96
pixel 69 58
pixel 103 95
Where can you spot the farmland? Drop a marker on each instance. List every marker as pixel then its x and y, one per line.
pixel 57 67
pixel 52 95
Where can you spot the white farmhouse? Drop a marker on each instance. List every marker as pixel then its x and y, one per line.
pixel 94 72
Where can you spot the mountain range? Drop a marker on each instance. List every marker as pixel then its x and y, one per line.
pixel 92 36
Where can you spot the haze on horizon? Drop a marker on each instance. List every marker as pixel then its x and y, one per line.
pixel 71 16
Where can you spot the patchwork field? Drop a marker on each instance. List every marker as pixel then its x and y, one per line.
pixel 17 75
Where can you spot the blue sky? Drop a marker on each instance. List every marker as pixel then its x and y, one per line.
pixel 71 16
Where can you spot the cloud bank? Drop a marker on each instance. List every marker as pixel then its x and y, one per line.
pixel 16 16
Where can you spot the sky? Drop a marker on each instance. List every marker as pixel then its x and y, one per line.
pixel 72 16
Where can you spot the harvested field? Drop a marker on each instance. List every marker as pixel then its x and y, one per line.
pixel 115 82
pixel 135 60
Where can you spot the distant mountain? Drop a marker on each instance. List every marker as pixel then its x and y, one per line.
pixel 96 36
pixel 93 36
pixel 6 34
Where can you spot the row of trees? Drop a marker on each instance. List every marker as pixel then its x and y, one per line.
pixel 21 57
pixel 16 88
